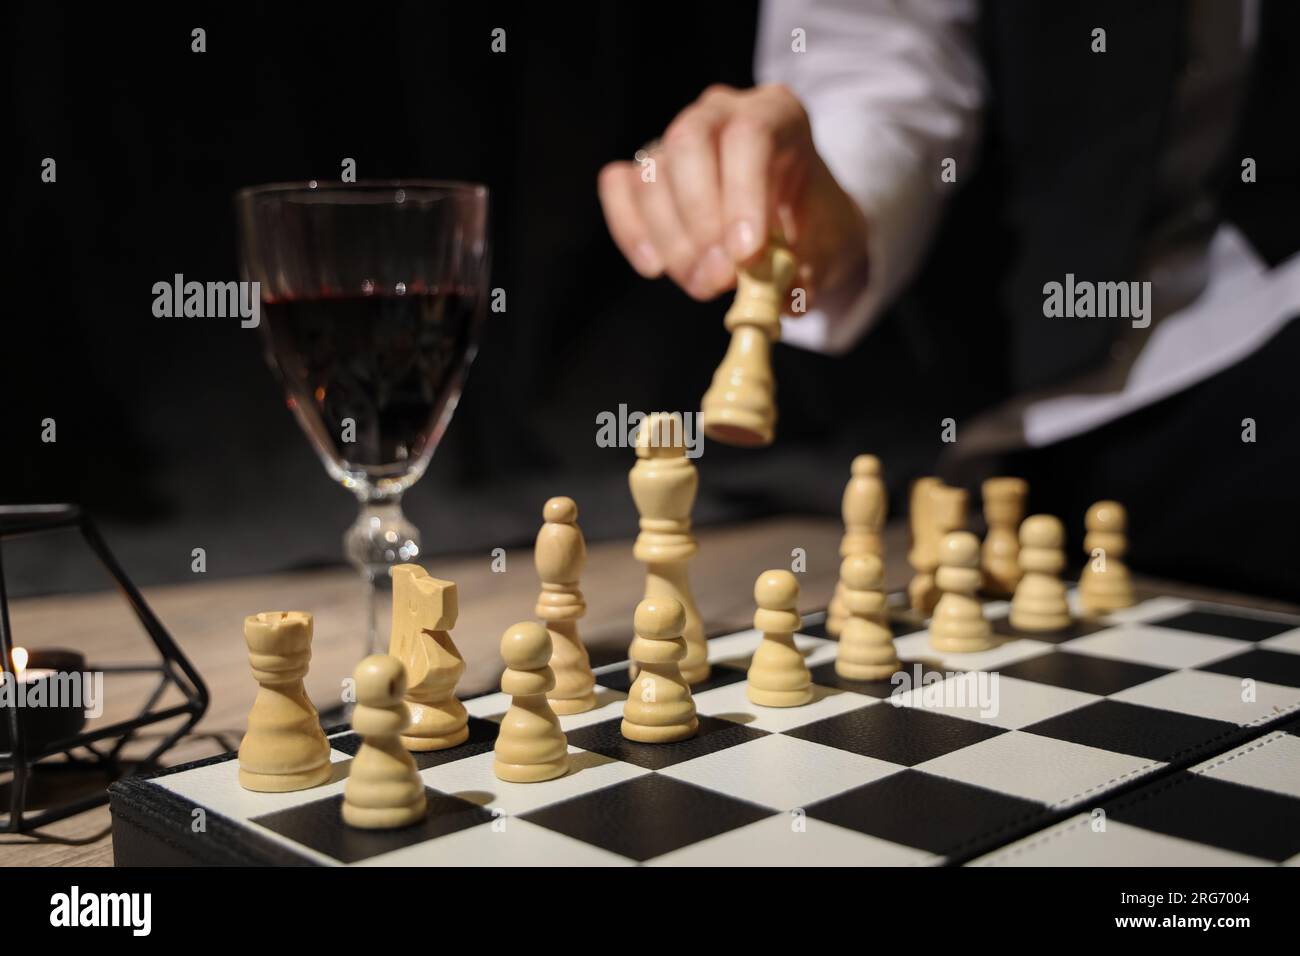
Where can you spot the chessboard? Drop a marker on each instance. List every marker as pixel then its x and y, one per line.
pixel 1164 733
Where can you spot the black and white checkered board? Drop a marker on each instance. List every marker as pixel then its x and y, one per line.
pixel 1151 716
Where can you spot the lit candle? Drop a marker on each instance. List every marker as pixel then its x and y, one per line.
pixel 22 672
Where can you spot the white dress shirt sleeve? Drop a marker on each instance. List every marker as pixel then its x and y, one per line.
pixel 893 88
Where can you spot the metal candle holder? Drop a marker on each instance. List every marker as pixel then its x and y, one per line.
pixel 102 746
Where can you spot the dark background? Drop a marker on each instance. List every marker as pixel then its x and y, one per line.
pixel 174 433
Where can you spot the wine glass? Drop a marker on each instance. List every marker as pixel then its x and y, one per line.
pixel 372 297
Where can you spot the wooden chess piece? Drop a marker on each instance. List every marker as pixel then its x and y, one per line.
pixel 778 676
pixel 559 556
pixel 664 482
pixel 1105 584
pixel 424 610
pixel 958 624
pixel 383 791
pixel 863 508
pixel 936 509
pixel 531 746
pixel 659 707
pixel 284 748
pixel 866 648
pixel 740 406
pixel 1004 509
pixel 1039 604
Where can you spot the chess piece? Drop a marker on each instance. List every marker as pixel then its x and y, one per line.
pixel 1004 509
pixel 863 507
pixel 284 748
pixel 936 509
pixel 659 708
pixel 664 482
pixel 1039 603
pixel 424 610
pixel 778 676
pixel 866 648
pixel 1104 584
pixel 559 555
pixel 958 624
pixel 383 791
pixel 531 746
pixel 740 406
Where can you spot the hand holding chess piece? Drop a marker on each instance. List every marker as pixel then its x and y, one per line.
pixel 659 707
pixel 778 676
pixel 383 791
pixel 1004 509
pixel 740 406
pixel 424 611
pixel 1105 584
pixel 531 746
pixel 863 508
pixel 559 556
pixel 866 648
pixel 1039 604
pixel 284 748
pixel 958 624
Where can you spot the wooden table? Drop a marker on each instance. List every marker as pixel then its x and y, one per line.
pixel 206 620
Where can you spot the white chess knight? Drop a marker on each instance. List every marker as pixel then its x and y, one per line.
pixel 959 624
pixel 659 707
pixel 531 746
pixel 866 649
pixel 1105 584
pixel 778 675
pixel 1039 604
pixel 424 612
pixel 383 791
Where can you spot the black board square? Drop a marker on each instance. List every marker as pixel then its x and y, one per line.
pixel 482 737
pixel 900 735
pixel 898 626
pixel 920 810
pixel 1273 667
pixel 1191 806
pixel 714 734
pixel 1078 627
pixel 620 679
pixel 1083 672
pixel 319 825
pixel 647 816
pixel 1224 623
pixel 1130 729
pixel 824 675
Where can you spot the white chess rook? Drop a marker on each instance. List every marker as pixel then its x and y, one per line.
pixel 284 748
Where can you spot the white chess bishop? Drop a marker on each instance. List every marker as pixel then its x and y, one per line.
pixel 559 556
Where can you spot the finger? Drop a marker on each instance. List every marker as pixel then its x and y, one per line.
pixel 664 227
pixel 759 145
pixel 615 187
pixel 691 170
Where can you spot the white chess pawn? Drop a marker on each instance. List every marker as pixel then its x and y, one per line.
pixel 778 676
pixel 958 624
pixel 1039 604
pixel 866 648
pixel 863 509
pixel 284 748
pixel 559 556
pixel 383 791
pixel 531 746
pixel 659 707
pixel 1105 584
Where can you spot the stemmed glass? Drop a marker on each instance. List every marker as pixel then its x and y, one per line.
pixel 372 297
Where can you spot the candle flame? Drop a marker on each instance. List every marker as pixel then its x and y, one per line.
pixel 20 656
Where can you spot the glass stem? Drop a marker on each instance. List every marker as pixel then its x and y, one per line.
pixel 380 538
